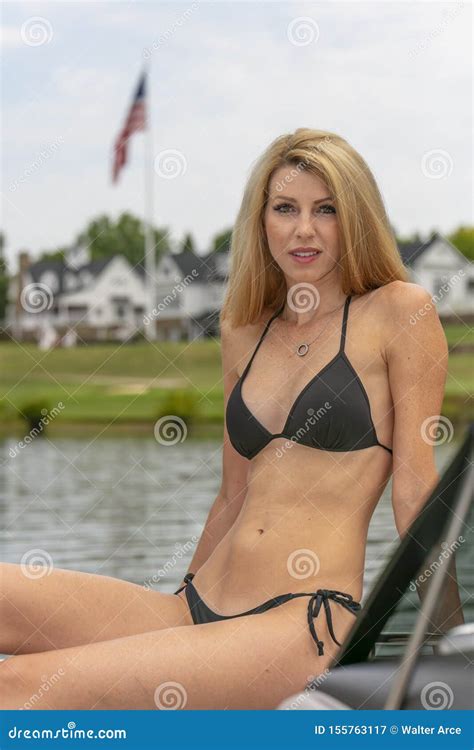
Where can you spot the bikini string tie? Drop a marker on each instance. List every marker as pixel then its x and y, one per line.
pixel 321 598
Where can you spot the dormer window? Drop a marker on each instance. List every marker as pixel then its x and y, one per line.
pixel 70 281
pixel 50 279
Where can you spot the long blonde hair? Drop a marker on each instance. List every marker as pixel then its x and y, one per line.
pixel 369 252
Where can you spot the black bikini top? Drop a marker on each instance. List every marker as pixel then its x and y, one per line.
pixel 332 412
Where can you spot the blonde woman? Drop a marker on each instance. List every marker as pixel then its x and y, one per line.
pixel 327 386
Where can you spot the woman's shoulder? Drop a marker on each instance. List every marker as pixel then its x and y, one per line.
pixel 248 329
pixel 405 299
pixel 238 340
pixel 399 298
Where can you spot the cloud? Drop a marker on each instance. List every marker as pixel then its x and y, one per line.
pixel 225 81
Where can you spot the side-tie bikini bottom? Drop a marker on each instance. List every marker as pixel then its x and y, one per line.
pixel 201 613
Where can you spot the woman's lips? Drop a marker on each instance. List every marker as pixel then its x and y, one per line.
pixel 306 258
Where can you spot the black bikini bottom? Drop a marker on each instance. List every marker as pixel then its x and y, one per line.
pixel 201 613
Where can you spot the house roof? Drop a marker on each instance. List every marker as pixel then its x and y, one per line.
pixel 206 268
pixel 60 268
pixel 411 251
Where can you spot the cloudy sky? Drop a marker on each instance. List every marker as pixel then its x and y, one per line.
pixel 226 79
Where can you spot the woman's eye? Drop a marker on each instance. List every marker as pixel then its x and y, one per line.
pixel 326 208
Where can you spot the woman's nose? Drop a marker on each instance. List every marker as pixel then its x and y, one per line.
pixel 305 226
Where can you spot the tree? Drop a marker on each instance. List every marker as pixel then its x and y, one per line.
pixel 125 236
pixel 463 239
pixel 3 279
pixel 187 244
pixel 221 242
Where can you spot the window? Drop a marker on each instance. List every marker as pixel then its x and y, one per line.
pixel 50 279
pixel 120 306
pixel 77 313
pixel 438 283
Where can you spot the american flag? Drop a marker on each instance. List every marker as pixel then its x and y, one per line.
pixel 136 120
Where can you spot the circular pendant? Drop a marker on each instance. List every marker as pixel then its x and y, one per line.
pixel 302 349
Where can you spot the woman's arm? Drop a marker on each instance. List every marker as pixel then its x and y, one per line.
pixel 416 352
pixel 228 503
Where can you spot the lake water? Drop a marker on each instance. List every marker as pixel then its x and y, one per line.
pixel 130 508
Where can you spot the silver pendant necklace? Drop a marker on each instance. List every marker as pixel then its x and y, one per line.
pixel 302 349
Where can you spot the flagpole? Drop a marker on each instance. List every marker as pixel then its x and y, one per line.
pixel 150 328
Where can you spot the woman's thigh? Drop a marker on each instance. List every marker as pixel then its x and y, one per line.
pixel 69 608
pixel 250 662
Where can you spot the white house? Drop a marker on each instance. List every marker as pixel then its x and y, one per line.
pixel 444 272
pixel 100 299
pixel 105 299
pixel 189 292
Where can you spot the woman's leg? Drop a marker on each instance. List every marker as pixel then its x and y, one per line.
pixel 67 608
pixel 251 662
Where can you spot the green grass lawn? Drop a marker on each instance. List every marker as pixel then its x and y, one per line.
pixel 100 383
pixel 124 384
pixel 459 333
